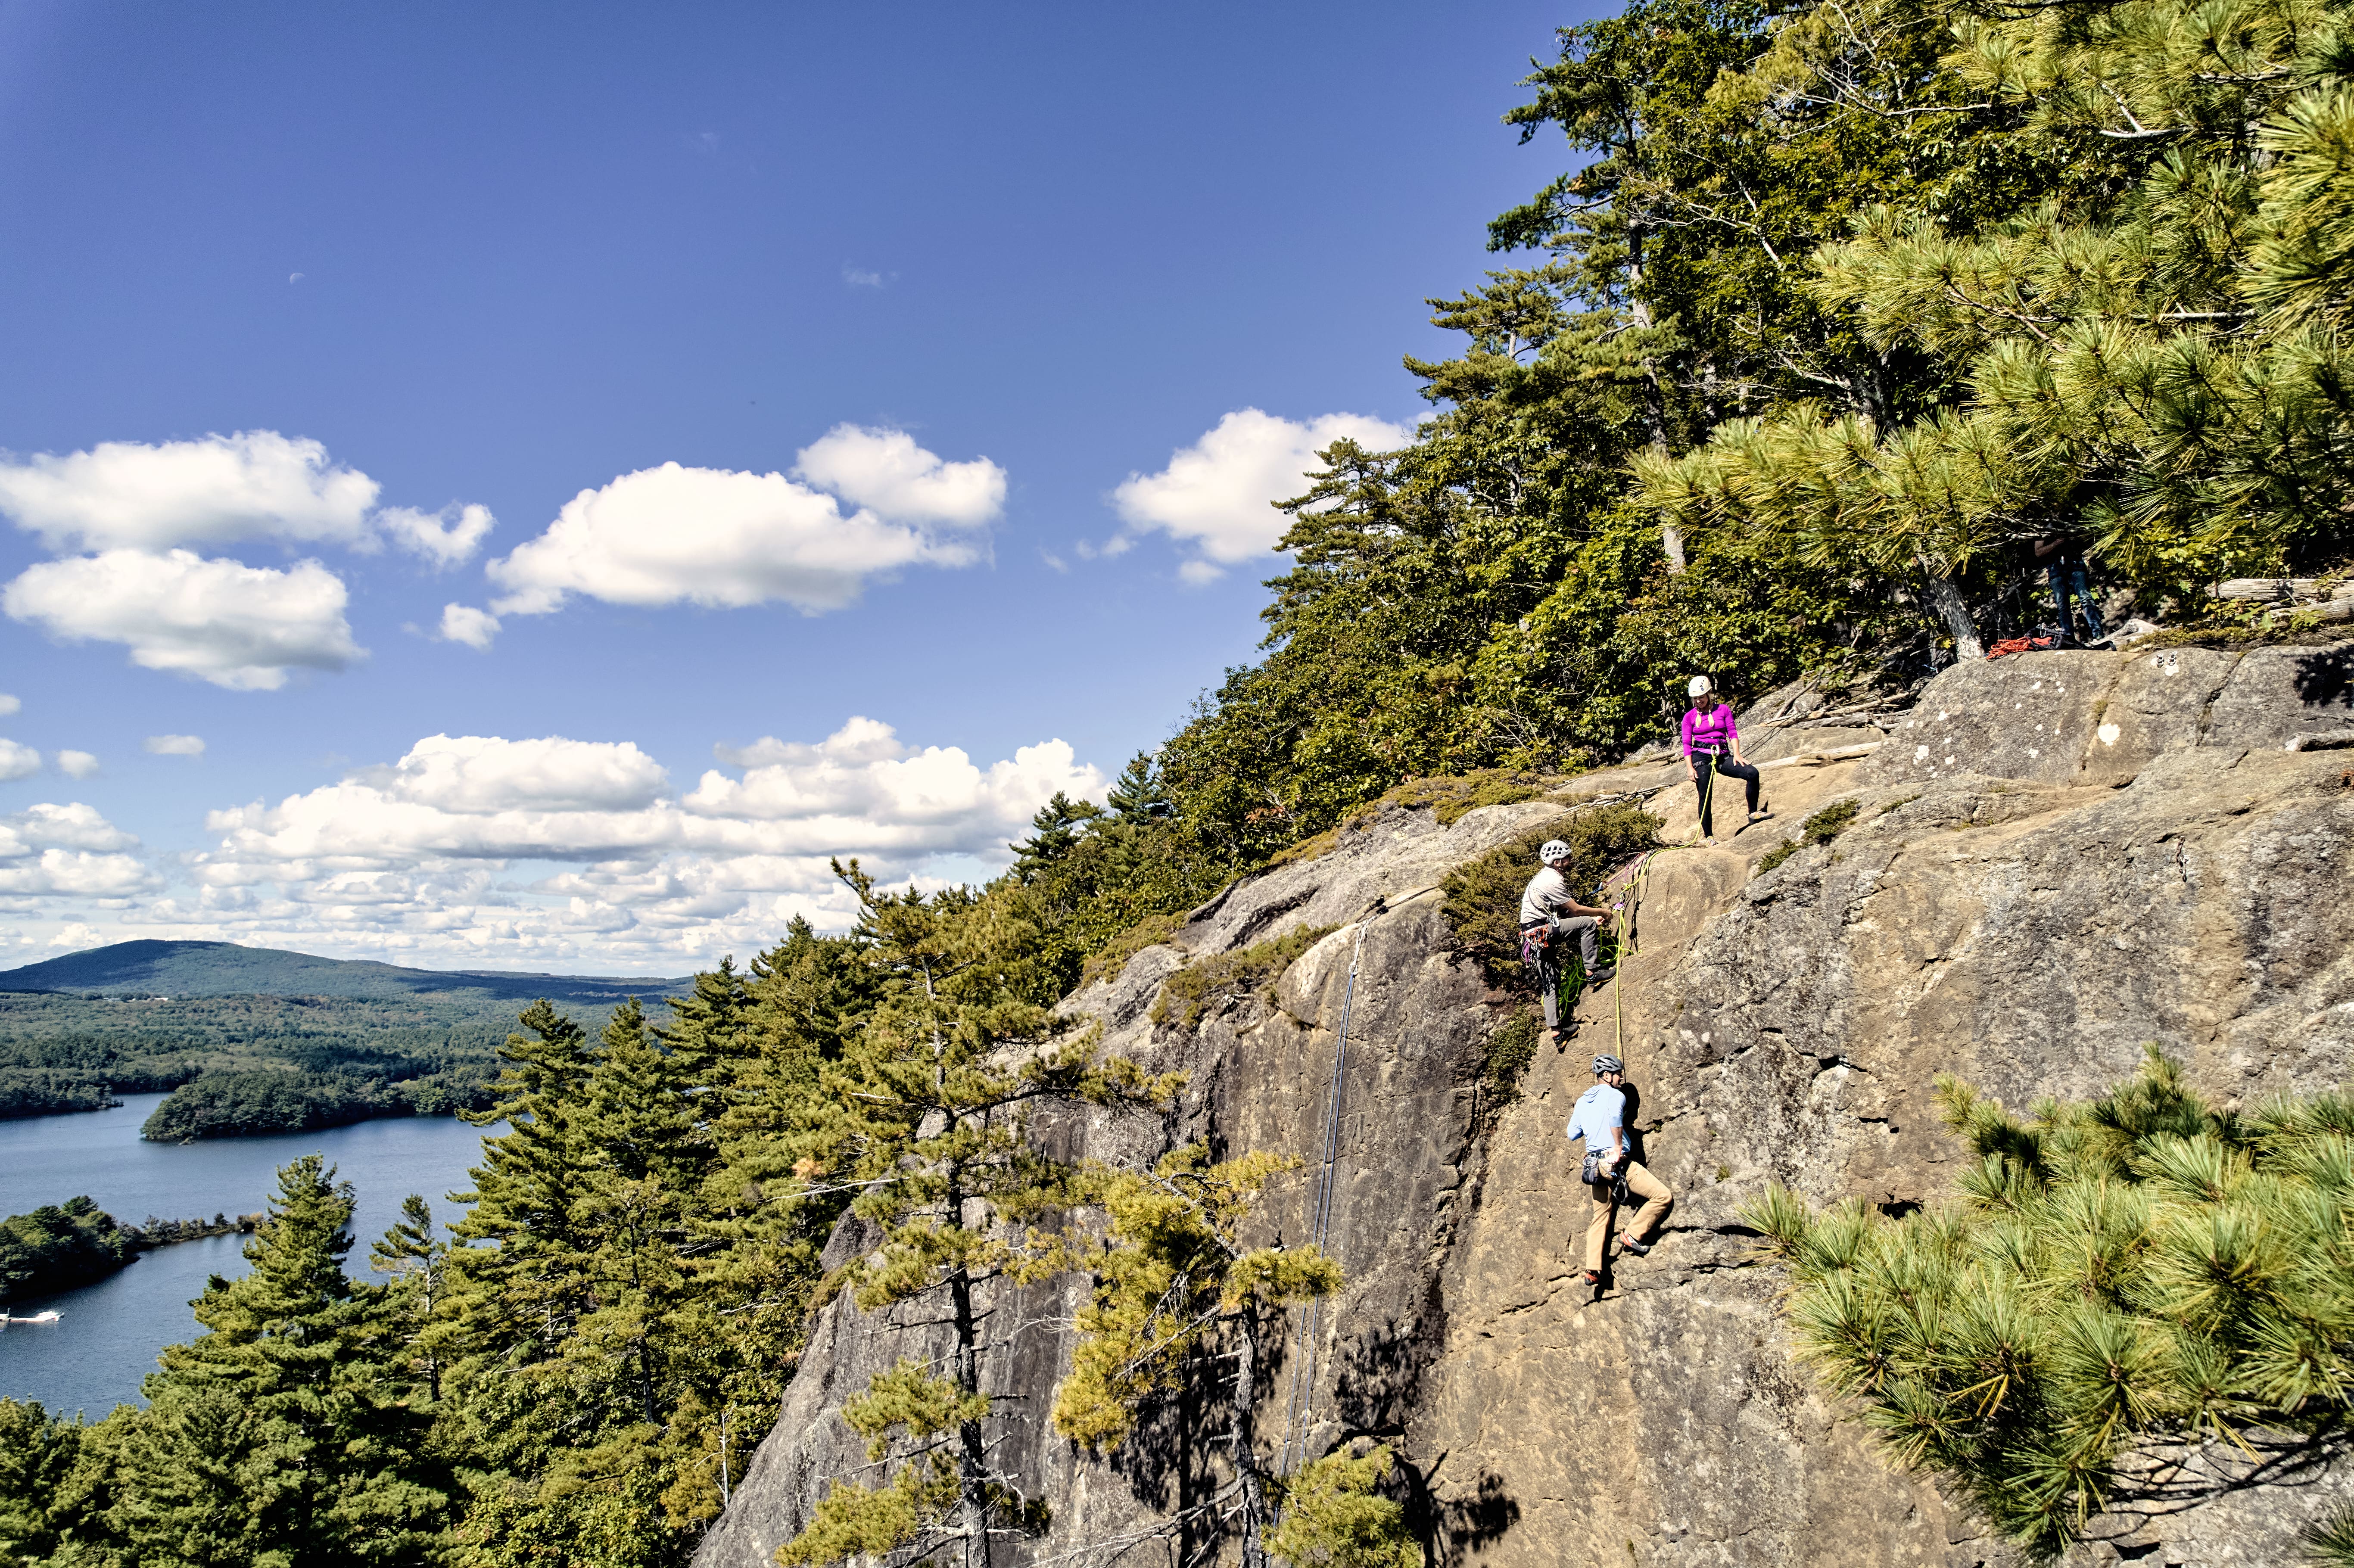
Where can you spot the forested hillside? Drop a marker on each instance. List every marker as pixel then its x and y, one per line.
pixel 1829 313
pixel 136 1017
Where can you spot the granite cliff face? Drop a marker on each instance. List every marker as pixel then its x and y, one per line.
pixel 2055 858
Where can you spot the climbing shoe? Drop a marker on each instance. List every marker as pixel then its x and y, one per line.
pixel 1601 977
pixel 1640 1249
pixel 1761 816
pixel 1594 1278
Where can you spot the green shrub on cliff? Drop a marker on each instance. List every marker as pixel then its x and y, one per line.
pixel 2145 1267
pixel 1332 1517
pixel 1483 896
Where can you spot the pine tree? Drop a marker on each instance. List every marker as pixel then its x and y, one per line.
pixel 276 1436
pixel 2139 351
pixel 416 1261
pixel 588 1345
pixel 1177 1290
pixel 38 1454
pixel 2144 1267
pixel 926 1116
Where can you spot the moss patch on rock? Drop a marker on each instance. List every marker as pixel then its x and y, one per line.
pixel 1112 957
pixel 1819 829
pixel 1188 996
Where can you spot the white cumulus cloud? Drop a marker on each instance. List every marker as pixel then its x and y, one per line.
pixel 218 489
pixel 475 774
pixel 17 760
pixel 77 764
pixel 8 705
pixel 724 538
pixel 445 538
pixel 862 781
pixel 236 625
pixel 175 745
pixel 1218 494
pixel 464 623
pixel 424 856
pixel 51 851
pixel 887 471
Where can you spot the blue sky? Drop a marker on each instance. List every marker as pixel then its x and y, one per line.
pixel 427 258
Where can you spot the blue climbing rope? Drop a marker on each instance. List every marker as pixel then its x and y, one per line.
pixel 1303 1372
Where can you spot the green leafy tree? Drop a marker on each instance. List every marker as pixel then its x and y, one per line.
pixel 2142 1266
pixel 1086 875
pixel 58 1246
pixel 926 1116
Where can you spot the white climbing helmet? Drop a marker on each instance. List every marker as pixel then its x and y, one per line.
pixel 1699 687
pixel 1607 1065
pixel 1553 850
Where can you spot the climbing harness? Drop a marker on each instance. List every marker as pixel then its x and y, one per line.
pixel 1303 1372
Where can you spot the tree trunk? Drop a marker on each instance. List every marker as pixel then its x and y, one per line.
pixel 972 1455
pixel 1946 600
pixel 1655 402
pixel 1238 1434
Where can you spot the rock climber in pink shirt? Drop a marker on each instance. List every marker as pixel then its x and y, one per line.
pixel 1712 745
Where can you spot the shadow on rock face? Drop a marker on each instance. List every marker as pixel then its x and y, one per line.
pixel 1470 1525
pixel 1378 1385
pixel 2325 678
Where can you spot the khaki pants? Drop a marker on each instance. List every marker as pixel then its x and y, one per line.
pixel 1642 1184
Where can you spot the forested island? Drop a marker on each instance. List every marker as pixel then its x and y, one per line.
pixel 64 1245
pixel 267 1100
pixel 60 1246
pixel 1826 315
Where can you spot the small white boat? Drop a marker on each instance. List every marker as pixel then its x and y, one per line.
pixel 36 1318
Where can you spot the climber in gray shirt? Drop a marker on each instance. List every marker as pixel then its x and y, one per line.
pixel 1549 914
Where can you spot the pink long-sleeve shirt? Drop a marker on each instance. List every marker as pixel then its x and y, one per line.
pixel 1710 730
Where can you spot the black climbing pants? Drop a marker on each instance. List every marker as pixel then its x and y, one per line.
pixel 1707 784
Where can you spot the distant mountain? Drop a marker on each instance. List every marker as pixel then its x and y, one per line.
pixel 227 969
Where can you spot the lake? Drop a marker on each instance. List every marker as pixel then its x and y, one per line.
pixel 108 1334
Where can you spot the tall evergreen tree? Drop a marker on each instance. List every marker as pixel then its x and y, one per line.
pixel 276 1437
pixel 2138 351
pixel 1178 1293
pixel 927 1116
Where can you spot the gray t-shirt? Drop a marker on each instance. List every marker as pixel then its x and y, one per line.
pixel 1548 891
pixel 1599 1110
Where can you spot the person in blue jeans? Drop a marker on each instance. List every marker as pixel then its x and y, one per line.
pixel 2063 563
